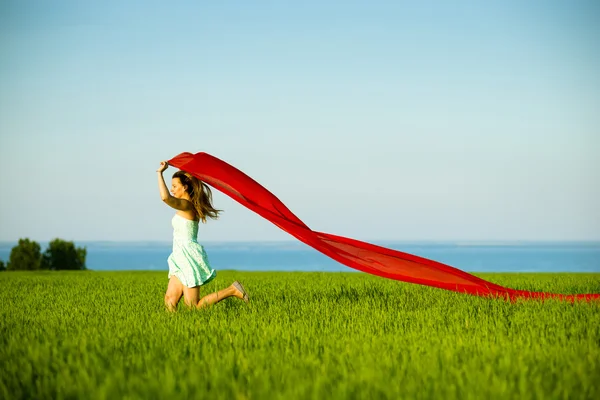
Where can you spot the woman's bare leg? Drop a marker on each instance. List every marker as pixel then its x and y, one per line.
pixel 191 296
pixel 174 293
pixel 215 297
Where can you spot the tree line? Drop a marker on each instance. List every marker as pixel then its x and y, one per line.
pixel 60 255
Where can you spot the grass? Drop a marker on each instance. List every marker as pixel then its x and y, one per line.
pixel 105 335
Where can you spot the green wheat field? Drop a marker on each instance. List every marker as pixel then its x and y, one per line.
pixel 106 335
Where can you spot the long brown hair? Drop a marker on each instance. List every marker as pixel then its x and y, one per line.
pixel 200 195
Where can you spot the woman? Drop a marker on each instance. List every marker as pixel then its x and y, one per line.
pixel 188 264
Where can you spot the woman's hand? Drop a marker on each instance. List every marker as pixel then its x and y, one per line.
pixel 163 165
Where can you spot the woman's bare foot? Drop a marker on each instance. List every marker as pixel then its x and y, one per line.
pixel 240 292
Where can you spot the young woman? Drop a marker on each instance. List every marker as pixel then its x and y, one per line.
pixel 188 264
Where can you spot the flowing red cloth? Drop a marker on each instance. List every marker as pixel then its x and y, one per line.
pixel 359 255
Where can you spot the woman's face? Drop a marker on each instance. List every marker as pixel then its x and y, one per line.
pixel 177 189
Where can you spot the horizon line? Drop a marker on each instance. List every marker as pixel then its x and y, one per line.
pixel 445 241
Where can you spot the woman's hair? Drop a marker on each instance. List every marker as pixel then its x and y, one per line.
pixel 200 194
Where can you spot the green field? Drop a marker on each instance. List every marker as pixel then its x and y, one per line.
pixel 106 335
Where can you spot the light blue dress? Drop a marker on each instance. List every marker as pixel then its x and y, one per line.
pixel 188 261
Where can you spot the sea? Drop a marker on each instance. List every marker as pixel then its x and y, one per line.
pixel 296 256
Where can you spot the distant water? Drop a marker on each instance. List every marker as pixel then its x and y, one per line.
pixel 296 256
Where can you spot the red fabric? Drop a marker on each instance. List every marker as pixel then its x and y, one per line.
pixel 359 255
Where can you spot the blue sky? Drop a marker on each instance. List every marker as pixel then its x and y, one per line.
pixel 373 120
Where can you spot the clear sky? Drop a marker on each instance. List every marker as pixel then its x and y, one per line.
pixel 377 120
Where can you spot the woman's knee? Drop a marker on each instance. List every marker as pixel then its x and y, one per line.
pixel 171 299
pixel 190 302
pixel 191 296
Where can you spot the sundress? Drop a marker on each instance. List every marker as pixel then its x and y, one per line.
pixel 189 261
